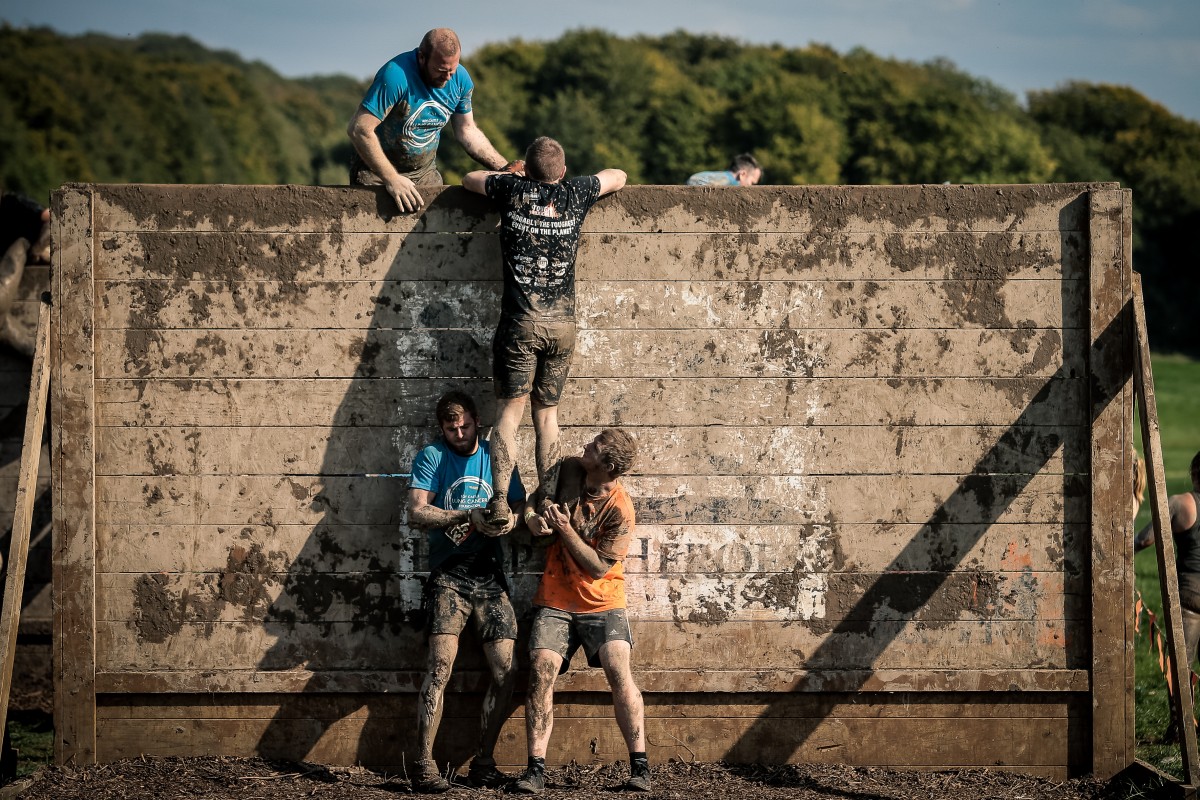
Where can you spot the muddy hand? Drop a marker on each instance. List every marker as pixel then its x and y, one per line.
pixel 405 193
pixel 557 516
pixel 478 519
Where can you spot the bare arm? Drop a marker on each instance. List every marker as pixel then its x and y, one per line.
pixel 361 131
pixel 584 555
pixel 611 180
pixel 476 181
pixel 475 142
pixel 422 514
pixel 1182 508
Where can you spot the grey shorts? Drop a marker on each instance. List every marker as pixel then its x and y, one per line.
pixel 564 633
pixel 484 602
pixel 531 357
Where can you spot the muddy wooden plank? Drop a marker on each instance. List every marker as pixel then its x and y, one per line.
pixel 251 593
pixel 640 304
pixel 683 645
pixel 731 689
pixel 936 742
pixel 248 500
pixel 402 706
pixel 74 478
pixel 829 450
pixel 767 256
pixel 817 210
pixel 763 353
pixel 1109 363
pixel 940 547
pixel 741 401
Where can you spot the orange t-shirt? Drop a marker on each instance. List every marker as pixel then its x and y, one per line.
pixel 606 524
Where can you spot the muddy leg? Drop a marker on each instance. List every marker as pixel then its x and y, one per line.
pixel 498 700
pixel 549 456
pixel 539 705
pixel 442 649
pixel 627 699
pixel 503 439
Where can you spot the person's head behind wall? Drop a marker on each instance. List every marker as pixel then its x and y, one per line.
pixel 618 451
pixel 545 160
pixel 746 168
pixel 438 56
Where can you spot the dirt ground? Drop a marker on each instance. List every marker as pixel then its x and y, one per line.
pixel 221 778
pixel 254 778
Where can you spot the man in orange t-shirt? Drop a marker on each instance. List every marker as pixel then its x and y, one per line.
pixel 580 601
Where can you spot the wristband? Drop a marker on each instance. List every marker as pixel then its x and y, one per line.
pixel 529 514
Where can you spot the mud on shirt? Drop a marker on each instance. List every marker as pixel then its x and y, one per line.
pixel 539 237
pixel 412 113
pixel 605 523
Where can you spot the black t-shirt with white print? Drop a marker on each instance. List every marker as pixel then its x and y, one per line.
pixel 539 236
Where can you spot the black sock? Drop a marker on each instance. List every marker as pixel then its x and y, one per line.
pixel 537 764
pixel 635 757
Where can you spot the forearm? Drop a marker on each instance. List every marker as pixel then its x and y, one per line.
pixel 368 146
pixel 480 148
pixel 430 516
pixel 586 557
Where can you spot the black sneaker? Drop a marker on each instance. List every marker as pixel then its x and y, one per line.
pixel 484 775
pixel 639 777
pixel 428 780
pixel 498 513
pixel 531 781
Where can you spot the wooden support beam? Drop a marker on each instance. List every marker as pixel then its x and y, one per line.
pixel 18 548
pixel 1168 579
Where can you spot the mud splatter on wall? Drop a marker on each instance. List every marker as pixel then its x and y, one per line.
pixel 866 417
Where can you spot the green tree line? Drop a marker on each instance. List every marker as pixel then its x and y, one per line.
pixel 164 109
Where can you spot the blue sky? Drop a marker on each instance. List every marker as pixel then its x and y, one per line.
pixel 1153 45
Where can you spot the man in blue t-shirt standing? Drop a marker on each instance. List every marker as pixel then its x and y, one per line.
pixel 541 213
pixel 451 485
pixel 396 129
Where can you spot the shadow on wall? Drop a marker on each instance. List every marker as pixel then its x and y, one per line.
pixel 348 612
pixel 991 487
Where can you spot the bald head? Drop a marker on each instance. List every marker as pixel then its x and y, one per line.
pixel 442 41
pixel 437 57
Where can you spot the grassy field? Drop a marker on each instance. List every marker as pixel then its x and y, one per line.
pixel 1177 395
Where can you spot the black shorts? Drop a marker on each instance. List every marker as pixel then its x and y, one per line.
pixel 454 600
pixel 531 356
pixel 565 632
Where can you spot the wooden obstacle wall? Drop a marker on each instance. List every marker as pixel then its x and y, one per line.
pixel 882 499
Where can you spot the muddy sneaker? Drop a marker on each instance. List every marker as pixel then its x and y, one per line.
pixel 428 780
pixel 639 777
pixel 531 781
pixel 498 513
pixel 484 775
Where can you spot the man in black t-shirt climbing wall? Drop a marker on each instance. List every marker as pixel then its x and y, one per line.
pixel 541 214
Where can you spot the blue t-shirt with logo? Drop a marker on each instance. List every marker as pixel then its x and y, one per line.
pixel 714 178
pixel 413 113
pixel 460 483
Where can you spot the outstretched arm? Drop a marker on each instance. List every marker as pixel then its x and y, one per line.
pixel 611 180
pixel 475 142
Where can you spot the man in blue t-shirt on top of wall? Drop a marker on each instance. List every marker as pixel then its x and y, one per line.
pixel 396 129
pixel 451 485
